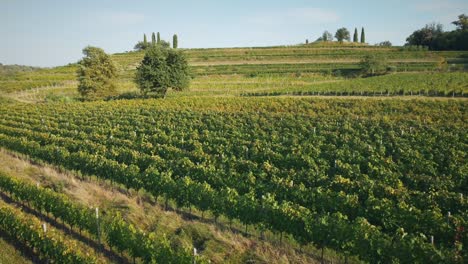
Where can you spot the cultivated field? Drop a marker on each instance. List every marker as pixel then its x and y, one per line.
pixel 273 155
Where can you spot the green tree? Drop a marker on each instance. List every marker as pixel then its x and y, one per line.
pixel 164 44
pixel 145 41
pixel 96 74
pixel 161 69
pixel 434 37
pixel 372 65
pixel 153 39
pixel 355 37
pixel 426 36
pixel 385 44
pixel 363 36
pixel 327 36
pixel 342 34
pixel 175 41
pixel 159 38
pixel 307 41
pixel 462 22
pixel 141 46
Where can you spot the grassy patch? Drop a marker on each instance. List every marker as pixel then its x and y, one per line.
pixel 10 255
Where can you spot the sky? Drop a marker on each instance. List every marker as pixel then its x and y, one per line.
pixel 50 33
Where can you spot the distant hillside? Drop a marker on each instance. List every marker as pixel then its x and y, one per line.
pixel 244 69
pixel 11 69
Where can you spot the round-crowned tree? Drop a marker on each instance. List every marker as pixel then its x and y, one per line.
pixel 342 34
pixel 96 74
pixel 161 69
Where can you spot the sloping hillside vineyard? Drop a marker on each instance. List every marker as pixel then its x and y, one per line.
pixel 344 143
pixel 250 69
pixel 323 152
pixel 383 180
pixel 118 234
pixel 28 230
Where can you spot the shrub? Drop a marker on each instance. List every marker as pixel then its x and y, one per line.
pixel 96 74
pixel 373 65
pixel 392 69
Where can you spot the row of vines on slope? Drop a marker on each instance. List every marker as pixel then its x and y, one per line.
pixel 349 183
pixel 151 248
pixel 48 246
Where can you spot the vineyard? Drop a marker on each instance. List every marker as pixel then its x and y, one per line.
pixel 284 154
pixel 117 233
pixel 380 180
pixel 256 64
pixel 409 84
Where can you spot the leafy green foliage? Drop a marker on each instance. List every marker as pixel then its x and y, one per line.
pixel 434 37
pixel 372 65
pixel 164 44
pixel 161 69
pixel 425 36
pixel 327 36
pixel 342 34
pixel 385 44
pixel 141 46
pixel 96 74
pixel 462 22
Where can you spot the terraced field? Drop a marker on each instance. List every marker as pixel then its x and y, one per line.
pixel 276 70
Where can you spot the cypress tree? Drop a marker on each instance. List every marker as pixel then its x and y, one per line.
pixel 175 41
pixel 159 38
pixel 153 39
pixel 355 37
pixel 145 41
pixel 307 41
pixel 363 36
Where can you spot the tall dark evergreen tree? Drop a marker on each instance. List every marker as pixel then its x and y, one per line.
pixel 153 39
pixel 355 37
pixel 159 38
pixel 175 41
pixel 145 41
pixel 363 36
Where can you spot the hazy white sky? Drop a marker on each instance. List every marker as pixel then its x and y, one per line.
pixel 53 32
